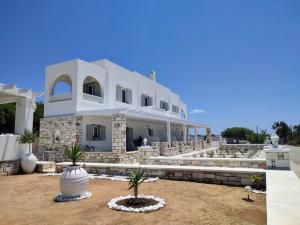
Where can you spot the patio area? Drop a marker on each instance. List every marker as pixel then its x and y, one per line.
pixel 28 199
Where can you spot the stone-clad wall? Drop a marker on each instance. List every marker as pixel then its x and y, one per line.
pixel 118 134
pixel 68 128
pixel 241 147
pixel 189 161
pixel 10 167
pixel 232 178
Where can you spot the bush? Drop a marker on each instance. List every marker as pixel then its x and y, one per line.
pixel 256 138
pixel 236 133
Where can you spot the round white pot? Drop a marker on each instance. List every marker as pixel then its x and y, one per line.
pixel 28 163
pixel 74 181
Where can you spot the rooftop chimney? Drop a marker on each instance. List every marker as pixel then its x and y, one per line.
pixel 153 75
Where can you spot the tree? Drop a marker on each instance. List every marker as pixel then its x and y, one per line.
pixel 257 138
pixel 282 130
pixel 236 133
pixel 136 179
pixel 294 138
pixel 38 114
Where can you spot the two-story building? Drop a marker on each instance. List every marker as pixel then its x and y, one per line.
pixel 108 108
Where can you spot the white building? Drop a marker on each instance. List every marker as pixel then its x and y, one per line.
pixel 100 90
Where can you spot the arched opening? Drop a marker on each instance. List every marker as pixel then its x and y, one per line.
pixel 92 90
pixel 182 114
pixel 61 89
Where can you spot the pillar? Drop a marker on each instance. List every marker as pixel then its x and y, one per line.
pixel 196 136
pixel 184 133
pixel 169 133
pixel 118 134
pixel 208 135
pixel 24 115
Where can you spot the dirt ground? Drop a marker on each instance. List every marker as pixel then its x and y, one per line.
pixel 28 199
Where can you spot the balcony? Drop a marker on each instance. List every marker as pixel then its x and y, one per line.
pixel 93 98
pixel 60 97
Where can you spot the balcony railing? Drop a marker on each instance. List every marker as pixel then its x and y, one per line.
pixel 93 98
pixel 61 97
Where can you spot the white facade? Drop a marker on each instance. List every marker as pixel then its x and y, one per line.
pixel 109 76
pixel 99 89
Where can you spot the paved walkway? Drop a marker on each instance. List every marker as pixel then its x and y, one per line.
pixel 283 198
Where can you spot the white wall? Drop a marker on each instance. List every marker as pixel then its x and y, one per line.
pixel 105 145
pixel 108 75
pixel 10 149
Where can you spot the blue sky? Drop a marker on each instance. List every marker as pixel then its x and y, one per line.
pixel 235 61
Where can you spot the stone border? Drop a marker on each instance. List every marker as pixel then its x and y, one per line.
pixel 67 198
pixel 112 204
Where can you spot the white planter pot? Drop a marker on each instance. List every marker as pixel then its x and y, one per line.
pixel 74 181
pixel 28 163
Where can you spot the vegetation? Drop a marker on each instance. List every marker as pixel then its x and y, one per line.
pixel 28 137
pixel 236 133
pixel 287 134
pixel 255 178
pixel 7 117
pixel 136 179
pixel 75 153
pixel 257 138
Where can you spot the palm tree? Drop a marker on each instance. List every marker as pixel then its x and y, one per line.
pixel 75 153
pixel 136 179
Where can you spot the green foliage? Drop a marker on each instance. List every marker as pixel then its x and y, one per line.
pixel 7 118
pixel 294 138
pixel 255 178
pixel 75 153
pixel 236 133
pixel 283 131
pixel 38 114
pixel 257 138
pixel 211 154
pixel 136 179
pixel 28 137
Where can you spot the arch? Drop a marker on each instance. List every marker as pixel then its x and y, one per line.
pixel 182 114
pixel 91 86
pixel 62 85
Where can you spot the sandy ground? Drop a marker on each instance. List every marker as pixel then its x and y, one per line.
pixel 28 199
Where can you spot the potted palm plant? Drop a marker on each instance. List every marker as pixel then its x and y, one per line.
pixel 29 160
pixel 74 180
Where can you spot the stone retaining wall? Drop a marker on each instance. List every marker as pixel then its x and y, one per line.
pixel 241 147
pixel 226 177
pixel 209 162
pixel 10 167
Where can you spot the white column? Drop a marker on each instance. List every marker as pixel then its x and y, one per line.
pixel 184 133
pixel 24 115
pixel 169 133
pixel 196 136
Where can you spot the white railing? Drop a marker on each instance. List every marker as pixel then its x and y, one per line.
pixel 61 97
pixel 93 98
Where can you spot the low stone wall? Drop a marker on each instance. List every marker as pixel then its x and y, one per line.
pixel 226 176
pixel 208 162
pixel 10 167
pixel 241 147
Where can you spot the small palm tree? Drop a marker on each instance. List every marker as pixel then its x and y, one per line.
pixel 75 153
pixel 255 178
pixel 136 179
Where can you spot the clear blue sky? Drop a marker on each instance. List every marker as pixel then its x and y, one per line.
pixel 239 61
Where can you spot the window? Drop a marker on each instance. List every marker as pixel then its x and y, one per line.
pixel 280 155
pixel 123 95
pixel 175 109
pixel 150 132
pixel 146 100
pixel 164 105
pixel 95 132
pixel 90 88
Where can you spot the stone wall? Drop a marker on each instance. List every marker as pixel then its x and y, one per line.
pixel 58 132
pixel 10 167
pixel 118 134
pixel 241 147
pixel 232 177
pixel 208 162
